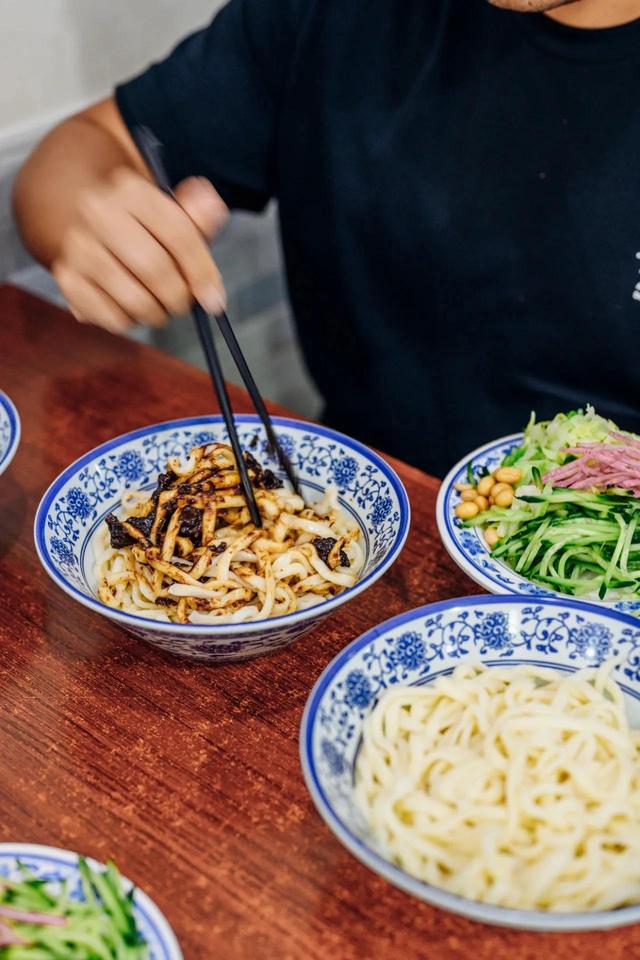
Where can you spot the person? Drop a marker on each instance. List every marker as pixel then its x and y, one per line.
pixel 458 203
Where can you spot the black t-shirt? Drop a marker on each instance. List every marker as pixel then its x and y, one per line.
pixel 459 199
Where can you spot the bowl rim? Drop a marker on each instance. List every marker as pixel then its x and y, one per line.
pixel 486 913
pixel 460 557
pixel 60 855
pixel 253 626
pixel 15 430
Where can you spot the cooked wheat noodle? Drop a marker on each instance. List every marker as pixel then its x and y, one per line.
pixel 189 552
pixel 518 787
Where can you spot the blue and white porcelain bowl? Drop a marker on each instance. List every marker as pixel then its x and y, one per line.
pixel 75 505
pixel 466 545
pixel 417 648
pixel 55 866
pixel 9 431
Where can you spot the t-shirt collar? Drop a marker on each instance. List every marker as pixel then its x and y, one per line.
pixel 576 43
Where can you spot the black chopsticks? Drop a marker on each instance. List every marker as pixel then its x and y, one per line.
pixel 220 387
pixel 274 444
pixel 151 149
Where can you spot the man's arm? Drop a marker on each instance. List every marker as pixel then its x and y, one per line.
pixel 119 248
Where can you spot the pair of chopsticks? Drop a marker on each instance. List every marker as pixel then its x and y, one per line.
pixel 151 150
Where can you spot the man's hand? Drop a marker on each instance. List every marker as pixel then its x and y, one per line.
pixel 121 250
pixel 135 255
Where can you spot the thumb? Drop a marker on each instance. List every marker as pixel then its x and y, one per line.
pixel 201 201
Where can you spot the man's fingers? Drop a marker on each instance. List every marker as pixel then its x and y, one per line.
pixel 203 204
pixel 135 253
pixel 101 268
pixel 88 303
pixel 140 252
pixel 177 233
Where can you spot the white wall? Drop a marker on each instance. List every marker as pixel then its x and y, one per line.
pixel 56 55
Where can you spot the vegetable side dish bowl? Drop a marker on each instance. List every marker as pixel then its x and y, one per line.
pixel 476 804
pixel 553 511
pixel 178 564
pixel 54 903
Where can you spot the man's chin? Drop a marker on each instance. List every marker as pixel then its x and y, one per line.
pixel 530 6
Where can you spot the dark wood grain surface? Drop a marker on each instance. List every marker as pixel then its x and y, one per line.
pixel 188 775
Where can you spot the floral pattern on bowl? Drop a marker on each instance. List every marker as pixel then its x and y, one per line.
pixel 55 866
pixel 77 502
pixel 466 545
pixel 416 648
pixel 9 431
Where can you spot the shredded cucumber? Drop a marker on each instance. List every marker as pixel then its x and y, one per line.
pixel 574 541
pixel 100 927
pixel 571 540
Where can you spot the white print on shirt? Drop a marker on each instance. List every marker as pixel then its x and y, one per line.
pixel 636 289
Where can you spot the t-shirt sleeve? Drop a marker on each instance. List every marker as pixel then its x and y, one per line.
pixel 214 101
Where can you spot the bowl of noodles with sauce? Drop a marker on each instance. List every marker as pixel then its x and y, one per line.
pixel 152 531
pixel 483 754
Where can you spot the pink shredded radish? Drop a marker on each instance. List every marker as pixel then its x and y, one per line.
pixel 601 465
pixel 9 938
pixel 27 916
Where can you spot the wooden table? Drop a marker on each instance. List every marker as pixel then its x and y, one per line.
pixel 188 775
